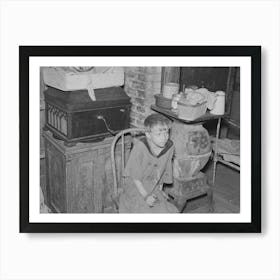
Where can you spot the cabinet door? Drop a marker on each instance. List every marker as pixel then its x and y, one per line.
pixel 55 179
pixel 84 171
pixel 80 173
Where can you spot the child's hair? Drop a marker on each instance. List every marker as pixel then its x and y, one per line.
pixel 156 119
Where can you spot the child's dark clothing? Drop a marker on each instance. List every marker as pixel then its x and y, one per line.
pixel 152 171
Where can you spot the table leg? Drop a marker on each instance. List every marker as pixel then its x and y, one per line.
pixel 216 149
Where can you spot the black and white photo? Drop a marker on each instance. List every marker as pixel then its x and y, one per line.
pixel 159 140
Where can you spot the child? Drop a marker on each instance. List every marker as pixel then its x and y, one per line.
pixel 148 167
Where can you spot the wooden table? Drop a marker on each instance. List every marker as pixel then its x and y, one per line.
pixel 174 116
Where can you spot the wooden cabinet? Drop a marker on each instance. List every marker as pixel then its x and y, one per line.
pixel 79 179
pixel 42 114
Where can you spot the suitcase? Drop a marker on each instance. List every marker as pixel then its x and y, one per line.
pixel 73 117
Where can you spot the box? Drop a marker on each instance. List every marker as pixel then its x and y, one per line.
pixel 163 102
pixel 67 79
pixel 191 112
pixel 73 117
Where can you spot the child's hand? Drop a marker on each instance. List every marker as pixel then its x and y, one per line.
pixel 151 200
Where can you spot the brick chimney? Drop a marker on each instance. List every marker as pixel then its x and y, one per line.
pixel 141 84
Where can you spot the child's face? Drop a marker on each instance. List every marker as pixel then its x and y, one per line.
pixel 158 135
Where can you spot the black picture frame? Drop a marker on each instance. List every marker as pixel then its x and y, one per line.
pixel 254 52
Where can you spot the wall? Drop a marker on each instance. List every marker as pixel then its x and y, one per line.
pixel 141 84
pixel 212 78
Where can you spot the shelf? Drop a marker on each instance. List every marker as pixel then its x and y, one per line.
pixel 172 115
pixel 232 123
pixel 228 163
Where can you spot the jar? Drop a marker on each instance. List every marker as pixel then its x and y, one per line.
pixel 219 103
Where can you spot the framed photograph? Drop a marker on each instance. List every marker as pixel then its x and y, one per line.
pixel 140 139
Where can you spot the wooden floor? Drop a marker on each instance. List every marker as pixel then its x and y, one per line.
pixel 226 192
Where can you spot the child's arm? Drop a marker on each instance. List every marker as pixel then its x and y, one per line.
pixel 150 199
pixel 140 188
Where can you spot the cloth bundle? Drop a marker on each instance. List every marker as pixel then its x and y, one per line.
pixel 229 149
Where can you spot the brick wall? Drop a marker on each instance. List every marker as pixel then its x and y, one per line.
pixel 141 84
